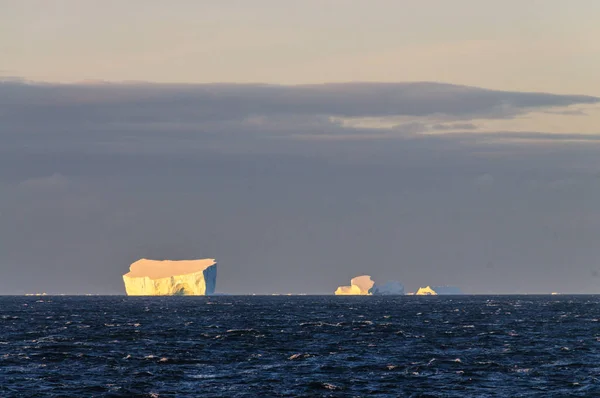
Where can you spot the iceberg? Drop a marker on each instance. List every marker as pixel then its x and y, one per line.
pixel 388 289
pixel 171 278
pixel 359 286
pixel 437 290
pixel 426 291
pixel 447 290
pixel 364 286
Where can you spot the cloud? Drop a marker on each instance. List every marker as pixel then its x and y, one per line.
pixel 145 117
pixel 111 103
pixel 258 176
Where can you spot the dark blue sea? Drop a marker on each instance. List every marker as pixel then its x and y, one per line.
pixel 300 346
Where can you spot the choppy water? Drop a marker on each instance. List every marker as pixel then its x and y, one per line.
pixel 480 346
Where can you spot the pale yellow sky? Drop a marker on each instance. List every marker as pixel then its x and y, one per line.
pixel 578 119
pixel 525 45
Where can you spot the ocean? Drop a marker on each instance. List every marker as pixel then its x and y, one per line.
pixel 300 346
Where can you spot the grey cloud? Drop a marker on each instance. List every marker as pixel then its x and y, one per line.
pixel 111 103
pixel 152 118
pixel 219 170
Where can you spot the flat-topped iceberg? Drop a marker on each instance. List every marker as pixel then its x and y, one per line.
pixel 171 278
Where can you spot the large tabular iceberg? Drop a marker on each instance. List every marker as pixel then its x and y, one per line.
pixel 171 278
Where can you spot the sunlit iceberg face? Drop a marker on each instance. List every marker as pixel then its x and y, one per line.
pixel 363 285
pixel 359 286
pixel 438 290
pixel 171 278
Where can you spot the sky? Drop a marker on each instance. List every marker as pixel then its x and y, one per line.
pixel 301 143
